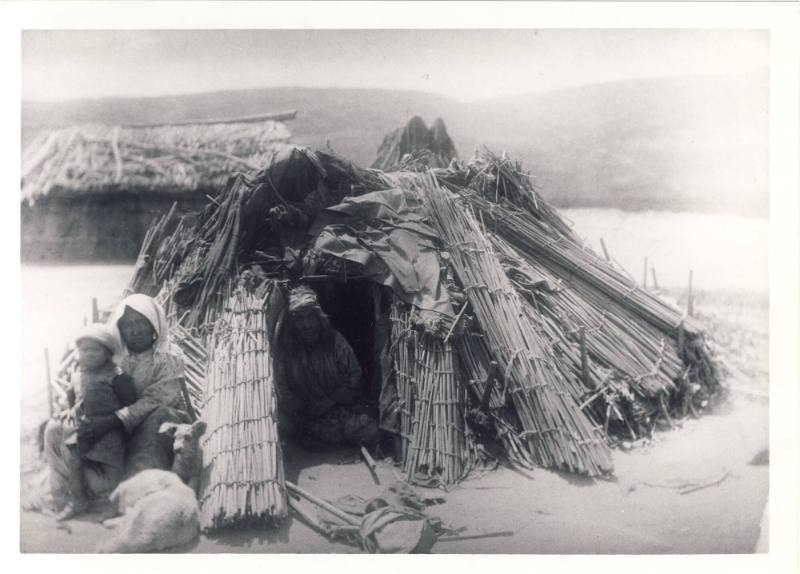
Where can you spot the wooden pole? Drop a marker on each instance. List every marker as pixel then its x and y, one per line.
pixel 605 251
pixel 476 536
pixel 187 399
pixel 349 518
pixel 95 311
pixel 371 465
pixel 690 298
pixel 655 279
pixel 584 358
pixel 455 321
pixel 644 278
pixel 308 518
pixel 49 384
pixel 274 116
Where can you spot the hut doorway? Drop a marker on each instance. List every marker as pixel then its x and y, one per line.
pixel 354 308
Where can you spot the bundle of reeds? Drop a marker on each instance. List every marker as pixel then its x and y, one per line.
pixel 638 338
pixel 201 259
pixel 195 363
pixel 143 279
pixel 558 433
pixel 243 476
pixel 439 445
pixel 436 442
pixel 481 375
pixel 569 259
pixel 403 358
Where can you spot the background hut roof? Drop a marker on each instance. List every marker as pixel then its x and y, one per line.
pixel 413 144
pixel 183 156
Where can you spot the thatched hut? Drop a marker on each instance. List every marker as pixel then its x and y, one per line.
pixel 89 192
pixel 485 328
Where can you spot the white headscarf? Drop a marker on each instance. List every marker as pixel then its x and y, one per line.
pixel 153 312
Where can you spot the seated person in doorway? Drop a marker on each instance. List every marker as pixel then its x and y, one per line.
pixel 319 380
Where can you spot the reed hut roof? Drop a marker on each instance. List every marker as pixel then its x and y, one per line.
pixel 562 353
pixel 414 145
pixel 177 157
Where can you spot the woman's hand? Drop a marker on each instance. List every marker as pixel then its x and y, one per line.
pixel 93 429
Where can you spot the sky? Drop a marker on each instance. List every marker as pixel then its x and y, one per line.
pixel 462 64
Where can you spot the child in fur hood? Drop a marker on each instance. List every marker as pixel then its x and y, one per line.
pixel 98 388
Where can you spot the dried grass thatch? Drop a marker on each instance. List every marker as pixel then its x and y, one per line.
pixel 174 157
pixel 557 353
pixel 413 146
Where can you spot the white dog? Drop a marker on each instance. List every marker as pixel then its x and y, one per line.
pixel 158 510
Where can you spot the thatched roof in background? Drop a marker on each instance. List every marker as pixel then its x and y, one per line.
pixel 414 143
pixel 181 156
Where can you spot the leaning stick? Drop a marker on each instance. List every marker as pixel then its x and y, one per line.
pixel 475 536
pixel 584 358
pixel 349 518
pixel 605 251
pixel 187 399
pixel 455 322
pixel 655 279
pixel 308 519
pixel 370 462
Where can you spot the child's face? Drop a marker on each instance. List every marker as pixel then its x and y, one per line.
pixel 91 354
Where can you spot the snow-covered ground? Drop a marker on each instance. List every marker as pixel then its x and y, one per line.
pixel 642 511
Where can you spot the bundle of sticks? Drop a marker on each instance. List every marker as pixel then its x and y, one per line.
pixel 624 344
pixel 439 445
pixel 536 241
pixel 559 434
pixel 403 352
pixel 654 352
pixel 201 259
pixel 483 377
pixel 195 362
pixel 143 279
pixel 435 439
pixel 243 475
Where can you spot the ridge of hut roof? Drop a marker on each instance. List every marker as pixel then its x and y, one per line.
pixel 413 144
pixel 183 155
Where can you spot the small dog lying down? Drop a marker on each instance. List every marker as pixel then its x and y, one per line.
pixel 158 511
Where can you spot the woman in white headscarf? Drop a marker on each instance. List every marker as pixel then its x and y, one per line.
pixel 152 391
pixel 156 367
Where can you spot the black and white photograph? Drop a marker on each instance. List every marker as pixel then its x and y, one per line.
pixel 411 287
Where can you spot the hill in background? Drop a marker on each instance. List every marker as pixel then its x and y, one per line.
pixel 688 143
